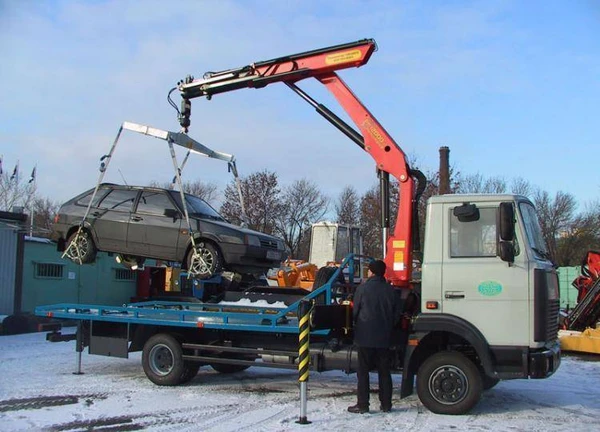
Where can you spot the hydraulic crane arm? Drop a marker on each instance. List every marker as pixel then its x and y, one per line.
pixel 289 68
pixel 322 65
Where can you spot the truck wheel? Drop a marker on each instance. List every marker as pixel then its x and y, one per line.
pixel 84 249
pixel 228 368
pixel 190 370
pixel 324 274
pixel 162 360
pixel 207 263
pixel 322 277
pixel 488 382
pixel 449 383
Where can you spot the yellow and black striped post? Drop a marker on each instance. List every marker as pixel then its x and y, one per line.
pixel 304 355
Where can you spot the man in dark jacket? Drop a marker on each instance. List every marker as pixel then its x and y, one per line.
pixel 376 311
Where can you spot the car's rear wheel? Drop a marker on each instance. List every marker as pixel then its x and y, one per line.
pixel 81 248
pixel 204 261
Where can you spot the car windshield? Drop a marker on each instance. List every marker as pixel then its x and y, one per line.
pixel 533 230
pixel 198 206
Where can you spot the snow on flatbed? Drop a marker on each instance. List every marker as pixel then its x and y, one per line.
pixel 38 391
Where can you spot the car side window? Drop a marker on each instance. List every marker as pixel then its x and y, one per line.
pixel 475 238
pixel 153 202
pixel 85 200
pixel 119 199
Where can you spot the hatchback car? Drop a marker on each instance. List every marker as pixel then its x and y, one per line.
pixel 145 222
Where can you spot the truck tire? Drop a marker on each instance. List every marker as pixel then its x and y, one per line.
pixel 162 360
pixel 228 368
pixel 449 383
pixel 324 274
pixel 337 291
pixel 488 382
pixel 190 370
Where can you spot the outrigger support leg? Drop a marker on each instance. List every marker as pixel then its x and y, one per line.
pixel 79 347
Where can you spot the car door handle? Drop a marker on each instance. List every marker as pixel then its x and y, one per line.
pixel 137 218
pixel 454 294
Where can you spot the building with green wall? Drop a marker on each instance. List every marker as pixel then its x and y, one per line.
pixel 50 279
pixel 568 294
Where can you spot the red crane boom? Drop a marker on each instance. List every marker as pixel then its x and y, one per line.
pixel 322 65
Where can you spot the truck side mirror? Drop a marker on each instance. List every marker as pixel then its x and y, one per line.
pixel 507 221
pixel 507 251
pixel 466 212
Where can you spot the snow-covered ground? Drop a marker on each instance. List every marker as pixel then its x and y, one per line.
pixel 38 391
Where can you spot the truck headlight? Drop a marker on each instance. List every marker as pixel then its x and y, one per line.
pixel 252 240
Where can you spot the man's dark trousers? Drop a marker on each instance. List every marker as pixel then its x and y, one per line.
pixel 371 358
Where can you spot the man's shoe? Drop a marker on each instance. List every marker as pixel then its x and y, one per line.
pixel 357 409
pixel 385 409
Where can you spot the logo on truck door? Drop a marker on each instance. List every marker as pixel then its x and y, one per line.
pixel 489 288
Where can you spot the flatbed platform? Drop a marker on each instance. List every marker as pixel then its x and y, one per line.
pixel 225 316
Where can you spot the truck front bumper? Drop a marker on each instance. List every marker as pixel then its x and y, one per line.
pixel 544 362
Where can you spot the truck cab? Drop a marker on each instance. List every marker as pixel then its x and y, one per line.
pixel 488 290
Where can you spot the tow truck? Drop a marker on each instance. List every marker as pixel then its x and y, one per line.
pixel 484 309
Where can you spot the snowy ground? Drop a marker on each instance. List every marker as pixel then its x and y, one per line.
pixel 38 391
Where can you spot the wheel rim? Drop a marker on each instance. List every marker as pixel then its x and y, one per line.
pixel 82 245
pixel 448 385
pixel 161 360
pixel 203 260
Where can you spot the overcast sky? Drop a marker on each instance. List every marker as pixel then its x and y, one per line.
pixel 511 87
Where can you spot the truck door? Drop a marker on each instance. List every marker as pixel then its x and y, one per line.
pixel 477 285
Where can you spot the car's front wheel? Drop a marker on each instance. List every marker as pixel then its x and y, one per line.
pixel 204 261
pixel 80 247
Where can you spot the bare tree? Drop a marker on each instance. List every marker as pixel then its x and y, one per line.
pixel 477 183
pixel 302 204
pixel 44 211
pixel 205 190
pixel 370 222
pixel 582 235
pixel 15 191
pixel 19 191
pixel 555 215
pixel 520 186
pixel 261 198
pixel 347 207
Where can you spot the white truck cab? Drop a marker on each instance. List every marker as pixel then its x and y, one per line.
pixel 488 288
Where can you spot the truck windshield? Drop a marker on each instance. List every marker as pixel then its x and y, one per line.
pixel 198 206
pixel 533 230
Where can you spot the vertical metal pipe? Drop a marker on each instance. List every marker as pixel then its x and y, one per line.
pixel 79 347
pixel 444 170
pixel 384 193
pixel 303 356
